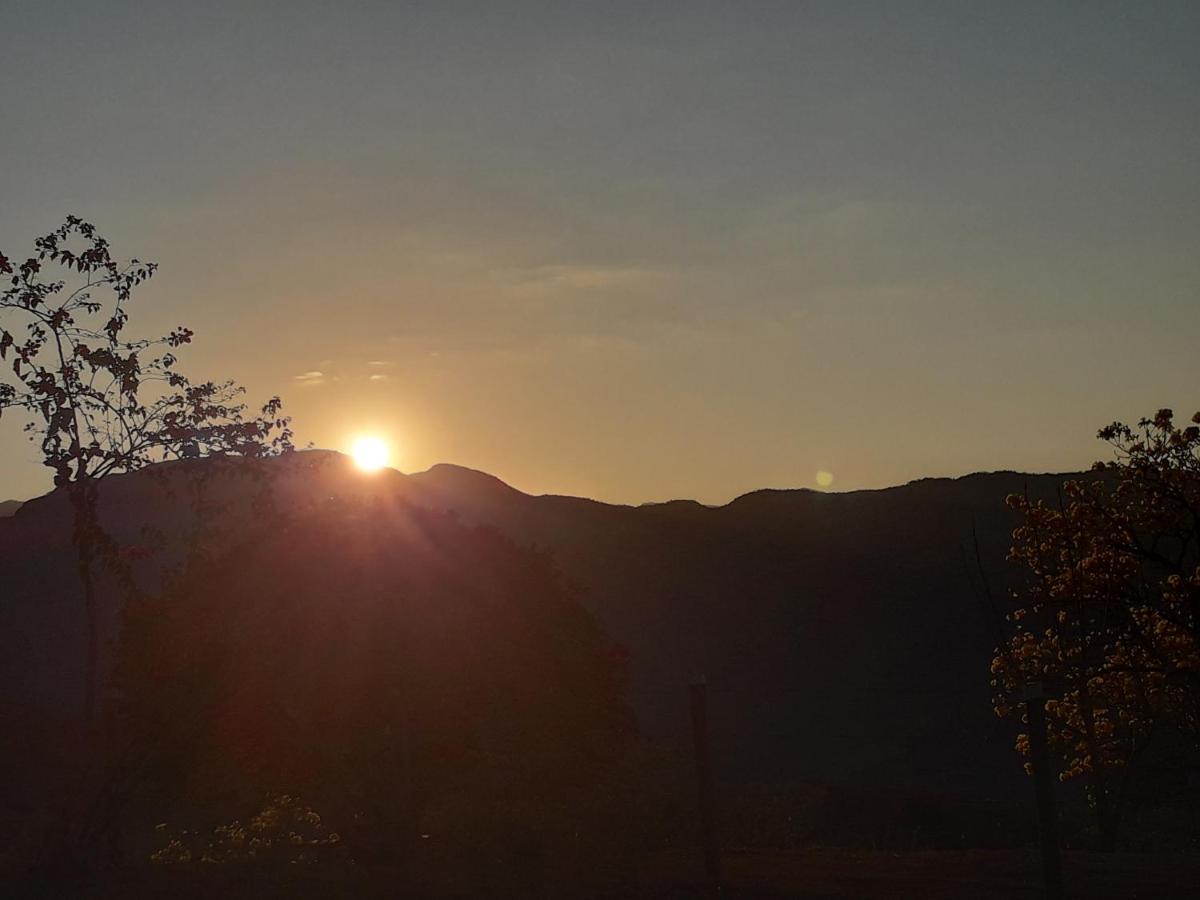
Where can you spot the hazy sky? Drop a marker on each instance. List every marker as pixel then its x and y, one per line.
pixel 639 251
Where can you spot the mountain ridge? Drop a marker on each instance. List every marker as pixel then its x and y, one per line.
pixel 444 470
pixel 844 636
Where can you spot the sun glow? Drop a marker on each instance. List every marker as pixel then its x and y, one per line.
pixel 370 453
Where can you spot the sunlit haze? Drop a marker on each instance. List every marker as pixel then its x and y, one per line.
pixel 636 251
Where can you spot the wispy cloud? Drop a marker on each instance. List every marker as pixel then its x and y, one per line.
pixel 577 278
pixel 309 378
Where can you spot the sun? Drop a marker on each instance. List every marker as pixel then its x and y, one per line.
pixel 370 453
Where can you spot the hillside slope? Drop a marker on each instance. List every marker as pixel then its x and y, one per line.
pixel 844 637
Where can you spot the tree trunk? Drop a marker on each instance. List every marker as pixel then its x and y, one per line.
pixel 83 499
pixel 1105 818
pixel 89 608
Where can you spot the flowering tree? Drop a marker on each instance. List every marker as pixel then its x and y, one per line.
pixel 1107 622
pixel 100 402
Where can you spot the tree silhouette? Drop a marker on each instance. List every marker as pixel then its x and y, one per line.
pixel 1107 621
pixel 101 402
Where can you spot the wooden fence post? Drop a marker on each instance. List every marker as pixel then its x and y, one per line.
pixel 1043 783
pixel 708 828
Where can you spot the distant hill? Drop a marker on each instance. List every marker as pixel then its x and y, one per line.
pixel 845 637
pixel 8 507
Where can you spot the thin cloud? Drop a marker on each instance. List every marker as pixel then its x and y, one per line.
pixel 578 278
pixel 310 378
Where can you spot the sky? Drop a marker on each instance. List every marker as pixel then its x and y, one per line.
pixel 639 251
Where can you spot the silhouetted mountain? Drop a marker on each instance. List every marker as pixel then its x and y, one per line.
pixel 8 507
pixel 845 637
pixel 401 670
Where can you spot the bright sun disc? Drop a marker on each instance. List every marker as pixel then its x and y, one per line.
pixel 370 453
